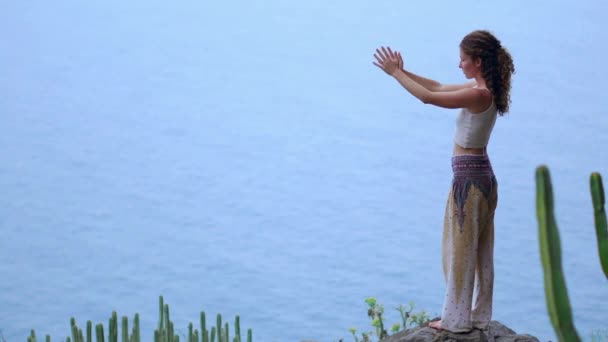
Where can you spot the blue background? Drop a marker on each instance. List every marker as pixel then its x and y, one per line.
pixel 247 158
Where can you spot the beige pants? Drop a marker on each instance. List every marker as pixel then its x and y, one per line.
pixel 468 248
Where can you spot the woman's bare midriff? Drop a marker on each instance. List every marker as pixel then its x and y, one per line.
pixel 459 150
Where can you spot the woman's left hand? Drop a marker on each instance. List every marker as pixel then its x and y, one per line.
pixel 388 60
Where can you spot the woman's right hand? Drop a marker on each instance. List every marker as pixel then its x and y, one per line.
pixel 400 59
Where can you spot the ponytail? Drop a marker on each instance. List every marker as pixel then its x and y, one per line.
pixel 496 65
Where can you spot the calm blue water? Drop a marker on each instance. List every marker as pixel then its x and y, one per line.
pixel 247 158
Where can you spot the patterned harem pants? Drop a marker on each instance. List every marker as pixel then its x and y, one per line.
pixel 468 244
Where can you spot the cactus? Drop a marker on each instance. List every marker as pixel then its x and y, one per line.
pixel 160 313
pixel 555 286
pixel 249 335
pixel 237 328
pixel 125 329
pixel 74 329
pixel 89 331
pixel 99 332
pixel 113 325
pixel 164 333
pixel 204 332
pixel 601 228
pixel 212 334
pixel 136 328
pixel 218 330
pixel 167 319
pixel 165 330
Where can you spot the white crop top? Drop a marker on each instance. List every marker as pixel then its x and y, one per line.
pixel 473 130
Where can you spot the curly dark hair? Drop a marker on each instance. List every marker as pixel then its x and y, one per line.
pixel 496 65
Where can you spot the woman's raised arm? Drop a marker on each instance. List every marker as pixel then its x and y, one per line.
pixel 464 97
pixel 430 84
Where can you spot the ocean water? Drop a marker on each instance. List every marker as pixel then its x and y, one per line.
pixel 247 158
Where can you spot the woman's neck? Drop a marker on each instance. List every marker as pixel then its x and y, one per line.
pixel 481 83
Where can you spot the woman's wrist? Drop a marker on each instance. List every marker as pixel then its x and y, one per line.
pixel 395 72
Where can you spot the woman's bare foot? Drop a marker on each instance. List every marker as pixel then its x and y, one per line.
pixel 436 325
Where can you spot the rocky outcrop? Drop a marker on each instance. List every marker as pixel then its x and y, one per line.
pixel 496 332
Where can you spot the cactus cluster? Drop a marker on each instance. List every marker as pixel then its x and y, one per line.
pixel 163 333
pixel 78 336
pixel 218 333
pixel 556 293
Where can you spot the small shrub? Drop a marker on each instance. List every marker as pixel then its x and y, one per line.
pixel 375 311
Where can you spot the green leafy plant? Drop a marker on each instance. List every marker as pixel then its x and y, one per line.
pixel 375 312
pixel 163 333
pixel 365 337
pixel 410 319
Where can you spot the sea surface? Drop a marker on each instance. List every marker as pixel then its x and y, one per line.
pixel 247 158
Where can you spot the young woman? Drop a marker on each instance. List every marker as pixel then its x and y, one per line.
pixel 468 233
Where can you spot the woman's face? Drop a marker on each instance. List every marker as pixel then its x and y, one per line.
pixel 469 67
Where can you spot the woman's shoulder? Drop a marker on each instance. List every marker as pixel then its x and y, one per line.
pixel 483 91
pixel 485 100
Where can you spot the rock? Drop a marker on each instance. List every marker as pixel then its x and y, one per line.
pixel 496 332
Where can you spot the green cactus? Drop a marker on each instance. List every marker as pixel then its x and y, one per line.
pixel 161 311
pixel 601 228
pixel 113 327
pixel 32 337
pixel 125 329
pixel 167 319
pixel 164 333
pixel 218 329
pixel 237 328
pixel 99 332
pixel 249 335
pixel 212 334
pixel 74 329
pixel 89 331
pixel 204 331
pixel 135 335
pixel 110 329
pixel 555 286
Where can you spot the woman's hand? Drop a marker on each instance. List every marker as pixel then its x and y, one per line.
pixel 400 59
pixel 388 60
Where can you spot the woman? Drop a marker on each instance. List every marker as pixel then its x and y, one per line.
pixel 468 233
